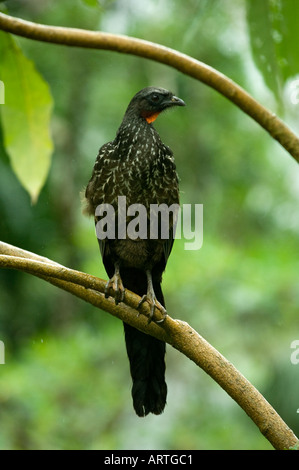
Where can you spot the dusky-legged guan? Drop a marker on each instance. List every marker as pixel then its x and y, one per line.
pixel 137 165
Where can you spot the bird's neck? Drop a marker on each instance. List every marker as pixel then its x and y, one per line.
pixel 136 133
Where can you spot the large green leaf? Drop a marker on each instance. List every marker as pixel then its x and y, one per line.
pixel 273 28
pixel 285 22
pixel 263 43
pixel 91 3
pixel 25 117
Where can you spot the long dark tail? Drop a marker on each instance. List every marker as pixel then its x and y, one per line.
pixel 146 355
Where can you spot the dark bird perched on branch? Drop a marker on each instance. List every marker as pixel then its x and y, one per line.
pixel 137 165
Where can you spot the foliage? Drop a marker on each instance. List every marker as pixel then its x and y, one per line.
pixel 65 383
pixel 274 32
pixel 25 117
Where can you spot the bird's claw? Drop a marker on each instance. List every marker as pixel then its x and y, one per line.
pixel 154 303
pixel 115 285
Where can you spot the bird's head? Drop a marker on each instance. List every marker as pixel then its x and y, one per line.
pixel 151 101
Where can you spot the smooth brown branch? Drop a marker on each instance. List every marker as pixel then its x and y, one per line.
pixel 192 345
pixel 85 286
pixel 176 333
pixel 149 50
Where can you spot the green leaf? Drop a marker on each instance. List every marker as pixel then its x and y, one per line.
pixel 25 117
pixel 273 28
pixel 285 16
pixel 263 44
pixel 91 3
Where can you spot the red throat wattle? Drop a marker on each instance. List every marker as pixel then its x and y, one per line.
pixel 152 117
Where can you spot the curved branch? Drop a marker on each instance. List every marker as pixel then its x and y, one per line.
pixel 176 333
pixel 89 288
pixel 182 62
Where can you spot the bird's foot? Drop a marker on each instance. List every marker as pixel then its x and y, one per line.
pixel 115 285
pixel 154 303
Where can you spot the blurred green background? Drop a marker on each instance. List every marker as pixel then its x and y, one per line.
pixel 66 381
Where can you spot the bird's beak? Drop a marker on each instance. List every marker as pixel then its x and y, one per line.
pixel 175 101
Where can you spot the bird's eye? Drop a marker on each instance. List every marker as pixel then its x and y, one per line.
pixel 155 98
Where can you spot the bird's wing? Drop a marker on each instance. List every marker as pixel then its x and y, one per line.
pixel 173 218
pixel 102 186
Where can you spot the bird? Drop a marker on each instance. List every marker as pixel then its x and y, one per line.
pixel 139 166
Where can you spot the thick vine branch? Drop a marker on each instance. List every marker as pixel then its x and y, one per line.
pixel 176 333
pixel 89 288
pixel 182 62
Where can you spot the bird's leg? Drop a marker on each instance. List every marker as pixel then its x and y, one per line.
pixel 115 284
pixel 151 298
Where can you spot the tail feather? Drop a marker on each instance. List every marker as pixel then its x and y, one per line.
pixel 146 355
pixel 147 365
